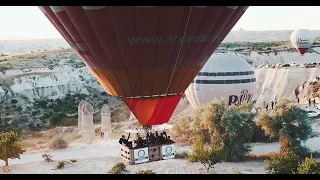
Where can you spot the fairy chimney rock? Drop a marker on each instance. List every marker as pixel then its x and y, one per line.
pixel 87 129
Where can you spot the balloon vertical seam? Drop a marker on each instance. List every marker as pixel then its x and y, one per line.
pixel 169 63
pixel 155 59
pixel 212 29
pixel 174 67
pixel 121 55
pixel 198 27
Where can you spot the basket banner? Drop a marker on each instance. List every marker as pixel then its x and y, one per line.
pixel 141 155
pixel 168 151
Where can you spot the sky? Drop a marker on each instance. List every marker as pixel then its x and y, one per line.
pixel 28 22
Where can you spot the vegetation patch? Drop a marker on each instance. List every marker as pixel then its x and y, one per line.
pixel 118 168
pixel 145 172
pixel 58 143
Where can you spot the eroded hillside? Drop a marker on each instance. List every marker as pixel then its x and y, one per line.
pixel 42 84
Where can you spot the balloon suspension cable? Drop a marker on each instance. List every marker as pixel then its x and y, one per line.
pixel 147 128
pixel 175 64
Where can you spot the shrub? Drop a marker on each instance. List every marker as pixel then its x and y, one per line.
pixel 182 155
pixel 73 161
pixel 61 164
pixel 34 113
pixel 145 172
pixel 45 115
pixel 97 130
pixel 68 122
pixel 218 124
pixel 309 166
pixel 237 172
pixel 58 143
pixel 14 101
pixel 5 169
pixel 208 157
pixel 282 163
pixel 31 126
pixel 118 168
pixel 47 157
pixel 57 119
pixel 19 108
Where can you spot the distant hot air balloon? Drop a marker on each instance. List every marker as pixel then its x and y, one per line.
pixel 302 39
pixel 146 55
pixel 224 76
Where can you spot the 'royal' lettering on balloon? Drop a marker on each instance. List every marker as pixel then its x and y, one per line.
pixel 245 97
pixel 302 39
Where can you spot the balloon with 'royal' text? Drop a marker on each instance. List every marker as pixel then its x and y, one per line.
pixel 225 76
pixel 302 39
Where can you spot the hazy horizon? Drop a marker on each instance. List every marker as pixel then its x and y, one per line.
pixel 28 22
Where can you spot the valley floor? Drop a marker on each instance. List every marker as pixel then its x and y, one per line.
pixel 99 157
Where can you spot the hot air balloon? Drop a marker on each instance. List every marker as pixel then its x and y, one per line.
pixel 224 76
pixel 302 39
pixel 147 55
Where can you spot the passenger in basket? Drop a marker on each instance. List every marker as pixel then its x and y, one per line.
pixel 134 144
pixel 123 140
pixel 152 139
pixel 165 134
pixel 161 139
pixel 168 140
pixel 139 141
pixel 157 137
pixel 147 139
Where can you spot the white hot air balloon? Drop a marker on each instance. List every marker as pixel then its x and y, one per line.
pixel 302 39
pixel 224 76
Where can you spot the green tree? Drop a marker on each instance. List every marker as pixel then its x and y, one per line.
pixel 230 129
pixel 289 123
pixel 258 134
pixel 208 157
pixel 10 146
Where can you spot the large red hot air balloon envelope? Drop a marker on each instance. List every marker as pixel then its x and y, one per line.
pixel 147 55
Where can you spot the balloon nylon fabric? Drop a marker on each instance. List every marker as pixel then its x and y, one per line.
pixel 302 39
pixel 147 55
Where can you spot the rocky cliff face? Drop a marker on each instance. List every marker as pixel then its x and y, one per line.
pixel 282 56
pixel 46 83
pixel 43 83
pixel 274 84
